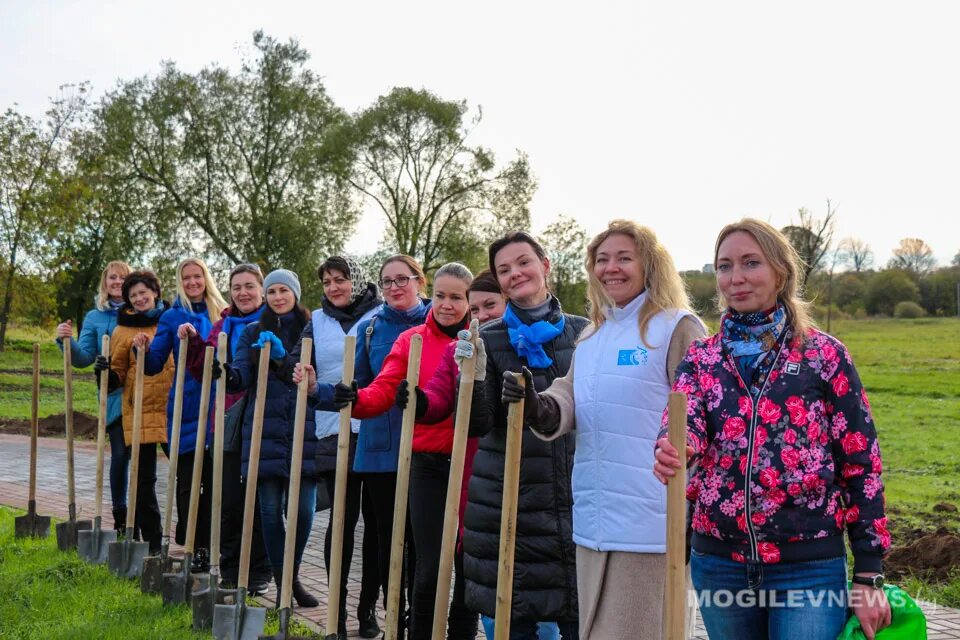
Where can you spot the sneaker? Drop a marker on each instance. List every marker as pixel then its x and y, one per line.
pixel 201 562
pixel 258 588
pixel 367 617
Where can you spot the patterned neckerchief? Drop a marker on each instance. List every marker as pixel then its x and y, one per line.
pixel 752 338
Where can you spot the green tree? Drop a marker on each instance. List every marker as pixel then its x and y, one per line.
pixel 565 241
pixel 913 255
pixel 887 288
pixel 938 291
pixel 440 195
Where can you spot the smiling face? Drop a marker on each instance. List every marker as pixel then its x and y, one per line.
pixel 246 292
pixel 522 274
pixel 398 297
pixel 450 304
pixel 142 297
pixel 745 277
pixel 192 279
pixel 281 299
pixel 115 285
pixel 618 269
pixel 337 287
pixel 486 306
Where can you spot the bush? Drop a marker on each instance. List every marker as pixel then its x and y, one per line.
pixel 907 309
pixel 887 288
pixel 860 314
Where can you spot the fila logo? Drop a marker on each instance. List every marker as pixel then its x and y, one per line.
pixel 793 368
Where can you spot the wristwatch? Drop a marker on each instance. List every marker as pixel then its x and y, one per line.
pixel 875 581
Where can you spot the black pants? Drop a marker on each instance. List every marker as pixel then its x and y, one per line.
pixel 147 517
pixel 234 490
pixel 370 580
pixel 429 474
pixel 351 515
pixel 184 480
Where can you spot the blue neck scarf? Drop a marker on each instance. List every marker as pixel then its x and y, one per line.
pixel 233 326
pixel 528 339
pixel 751 338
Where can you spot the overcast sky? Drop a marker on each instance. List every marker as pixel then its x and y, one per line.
pixel 681 115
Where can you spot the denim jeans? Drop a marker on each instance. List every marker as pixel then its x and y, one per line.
pixel 545 630
pixel 119 463
pixel 789 601
pixel 273 500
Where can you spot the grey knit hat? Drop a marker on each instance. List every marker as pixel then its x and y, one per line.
pixel 284 277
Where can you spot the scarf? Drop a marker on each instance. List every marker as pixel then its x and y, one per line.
pixel 233 326
pixel 347 316
pixel 752 338
pixel 528 339
pixel 358 279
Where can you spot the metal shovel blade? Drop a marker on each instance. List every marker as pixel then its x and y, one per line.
pixel 125 558
pixel 92 545
pixel 151 577
pixel 238 621
pixel 31 525
pixel 67 533
pixel 176 587
pixel 205 597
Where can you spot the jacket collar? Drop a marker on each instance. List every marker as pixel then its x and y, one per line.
pixel 632 309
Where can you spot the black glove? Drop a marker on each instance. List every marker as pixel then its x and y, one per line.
pixel 513 392
pixel 216 370
pixel 100 365
pixel 344 395
pixel 403 396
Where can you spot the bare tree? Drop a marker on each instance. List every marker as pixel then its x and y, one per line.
pixel 856 253
pixel 914 255
pixel 811 237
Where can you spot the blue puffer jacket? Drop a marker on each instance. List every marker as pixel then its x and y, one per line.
pixel 85 349
pixel 161 346
pixel 378 446
pixel 279 410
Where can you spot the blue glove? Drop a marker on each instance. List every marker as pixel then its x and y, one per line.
pixel 276 346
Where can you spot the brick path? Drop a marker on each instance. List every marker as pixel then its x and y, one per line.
pixel 942 623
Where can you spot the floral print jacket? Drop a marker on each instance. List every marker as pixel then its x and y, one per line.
pixel 782 475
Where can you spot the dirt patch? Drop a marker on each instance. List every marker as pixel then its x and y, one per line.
pixel 84 426
pixel 934 557
pixel 945 507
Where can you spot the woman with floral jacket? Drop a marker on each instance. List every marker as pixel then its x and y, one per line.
pixel 787 459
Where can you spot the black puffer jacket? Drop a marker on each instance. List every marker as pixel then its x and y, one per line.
pixel 545 576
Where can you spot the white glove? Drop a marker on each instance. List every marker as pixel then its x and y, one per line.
pixel 465 351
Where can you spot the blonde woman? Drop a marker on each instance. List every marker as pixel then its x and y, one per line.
pixel 199 303
pixel 100 321
pixel 613 397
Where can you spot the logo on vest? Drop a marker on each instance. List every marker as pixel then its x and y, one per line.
pixel 632 357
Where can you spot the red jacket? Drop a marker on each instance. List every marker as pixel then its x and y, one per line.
pixel 377 397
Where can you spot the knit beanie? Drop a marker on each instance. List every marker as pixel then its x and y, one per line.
pixel 282 276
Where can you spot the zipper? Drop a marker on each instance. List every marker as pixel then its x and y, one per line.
pixel 747 497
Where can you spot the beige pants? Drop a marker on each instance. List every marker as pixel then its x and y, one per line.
pixel 621 595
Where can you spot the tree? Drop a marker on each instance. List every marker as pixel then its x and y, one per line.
pixel 811 237
pixel 437 192
pixel 856 254
pixel 565 242
pixel 886 288
pixel 30 157
pixel 938 291
pixel 956 260
pixel 913 255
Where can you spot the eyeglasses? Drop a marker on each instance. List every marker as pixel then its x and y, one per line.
pixel 399 281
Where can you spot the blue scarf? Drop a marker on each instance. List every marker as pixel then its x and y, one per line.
pixel 751 338
pixel 233 326
pixel 157 310
pixel 528 339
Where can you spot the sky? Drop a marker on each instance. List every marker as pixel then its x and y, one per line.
pixel 681 115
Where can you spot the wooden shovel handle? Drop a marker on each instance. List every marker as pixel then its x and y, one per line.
pixel 676 580
pixel 102 423
pixel 68 415
pixel 35 420
pixel 508 516
pixel 296 469
pixel 253 466
pixel 451 511
pixel 340 495
pixel 175 435
pixel 135 442
pixel 201 442
pixel 220 404
pixel 403 483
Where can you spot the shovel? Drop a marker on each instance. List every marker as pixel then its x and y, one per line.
pixel 237 621
pixel 400 503
pixel 451 516
pixel 177 587
pixel 211 594
pixel 508 517
pixel 67 531
pixel 339 499
pixel 674 619
pixel 151 578
pixel 32 524
pixel 125 557
pixel 92 545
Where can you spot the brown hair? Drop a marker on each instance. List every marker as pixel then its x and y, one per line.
pixel 511 238
pixel 486 282
pixel 412 264
pixel 145 277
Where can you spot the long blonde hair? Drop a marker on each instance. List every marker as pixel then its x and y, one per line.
pixel 786 264
pixel 103 297
pixel 664 287
pixel 211 295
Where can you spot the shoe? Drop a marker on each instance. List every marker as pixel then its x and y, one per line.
pixel 367 617
pixel 201 562
pixel 258 588
pixel 302 596
pixel 120 521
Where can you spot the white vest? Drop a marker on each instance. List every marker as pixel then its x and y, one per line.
pixel 328 338
pixel 620 390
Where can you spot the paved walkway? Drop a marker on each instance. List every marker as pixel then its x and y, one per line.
pixel 942 623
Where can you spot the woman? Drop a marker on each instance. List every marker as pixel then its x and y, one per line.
pixel 613 395
pixel 199 303
pixel 98 322
pixel 348 299
pixel 775 410
pixel 280 324
pixel 246 304
pixel 141 314
pixel 533 332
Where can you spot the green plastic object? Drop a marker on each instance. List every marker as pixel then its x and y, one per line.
pixel 907 619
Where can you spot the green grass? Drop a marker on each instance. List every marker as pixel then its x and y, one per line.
pixel 45 593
